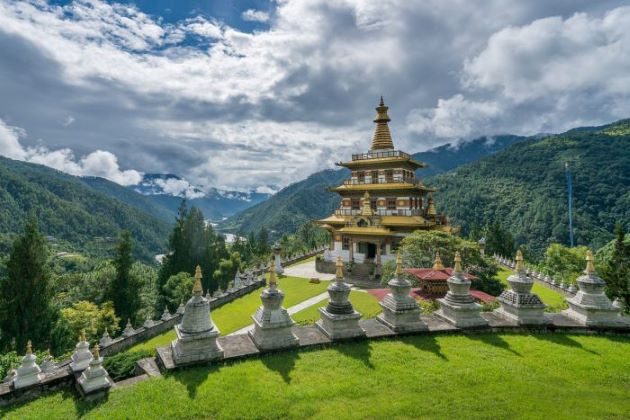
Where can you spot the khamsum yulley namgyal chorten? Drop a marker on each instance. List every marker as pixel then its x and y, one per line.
pixel 381 203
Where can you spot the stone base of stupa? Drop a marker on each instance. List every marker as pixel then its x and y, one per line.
pixel 94 384
pixel 401 318
pixel 273 331
pixel 340 326
pixel 524 308
pixel 26 379
pixel 196 348
pixel 462 316
pixel 594 315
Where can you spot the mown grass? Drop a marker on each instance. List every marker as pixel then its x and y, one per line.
pixel 451 376
pixel 237 314
pixel 555 301
pixel 363 302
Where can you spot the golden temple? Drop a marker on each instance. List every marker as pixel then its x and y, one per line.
pixel 382 202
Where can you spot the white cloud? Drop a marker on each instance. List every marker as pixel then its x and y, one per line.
pixel 265 189
pixel 238 110
pixel 178 187
pixel 98 163
pixel 255 15
pixel 68 121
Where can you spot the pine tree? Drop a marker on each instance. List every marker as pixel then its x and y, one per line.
pixel 616 272
pixel 26 312
pixel 262 242
pixel 124 290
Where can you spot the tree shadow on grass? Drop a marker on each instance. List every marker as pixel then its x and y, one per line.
pixel 563 340
pixel 283 363
pixel 359 350
pixel 495 341
pixel 193 377
pixel 425 343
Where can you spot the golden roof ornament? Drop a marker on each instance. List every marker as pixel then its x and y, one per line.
pixel 437 263
pixel 399 263
pixel 382 138
pixel 519 268
pixel 96 352
pixel 197 288
pixel 29 347
pixel 82 336
pixel 339 265
pixel 458 263
pixel 590 267
pixel 366 210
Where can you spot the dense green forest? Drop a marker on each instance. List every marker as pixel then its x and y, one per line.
pixel 310 199
pixel 524 188
pixel 72 213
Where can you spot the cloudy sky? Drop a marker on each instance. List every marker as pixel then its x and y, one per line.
pixel 247 94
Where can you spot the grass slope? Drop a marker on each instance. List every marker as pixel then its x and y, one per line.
pixel 555 301
pixel 238 313
pixel 450 376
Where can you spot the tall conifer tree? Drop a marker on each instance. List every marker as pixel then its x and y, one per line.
pixel 124 291
pixel 25 293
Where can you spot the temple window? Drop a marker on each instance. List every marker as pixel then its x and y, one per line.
pixel 389 175
pixel 391 204
pixel 373 204
pixel 361 177
pixel 345 243
pixel 374 177
pixel 356 205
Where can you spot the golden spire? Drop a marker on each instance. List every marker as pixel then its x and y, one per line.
pixel 519 262
pixel 367 208
pixel 458 263
pixel 382 138
pixel 339 266
pixel 399 263
pixel 590 268
pixel 29 347
pixel 272 277
pixel 197 288
pixel 437 264
pixel 82 336
pixel 431 211
pixel 97 351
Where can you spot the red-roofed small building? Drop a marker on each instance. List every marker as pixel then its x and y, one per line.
pixel 432 281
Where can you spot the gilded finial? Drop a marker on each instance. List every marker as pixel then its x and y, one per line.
pixel 382 138
pixel 437 263
pixel 339 266
pixel 29 347
pixel 590 267
pixel 97 351
pixel 431 211
pixel 519 262
pixel 197 288
pixel 382 103
pixel 399 264
pixel 82 336
pixel 458 263
pixel 273 281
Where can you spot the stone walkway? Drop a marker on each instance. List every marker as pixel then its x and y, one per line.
pixel 307 271
pixel 292 310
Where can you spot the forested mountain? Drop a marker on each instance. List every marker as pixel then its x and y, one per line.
pixel 310 199
pixel 524 187
pixel 70 209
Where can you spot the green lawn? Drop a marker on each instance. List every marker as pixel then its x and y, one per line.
pixel 363 302
pixel 555 301
pixel 450 376
pixel 237 314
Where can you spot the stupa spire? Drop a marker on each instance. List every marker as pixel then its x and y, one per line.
pixel 273 281
pixel 382 138
pixel 339 265
pixel 519 262
pixel 458 263
pixel 197 288
pixel 590 267
pixel 399 264
pixel 437 263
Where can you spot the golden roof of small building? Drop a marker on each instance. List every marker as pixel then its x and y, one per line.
pixel 371 231
pixel 382 138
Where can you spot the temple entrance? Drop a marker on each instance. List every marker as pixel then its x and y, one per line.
pixel 371 251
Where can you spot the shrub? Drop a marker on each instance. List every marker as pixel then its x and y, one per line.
pixel 122 365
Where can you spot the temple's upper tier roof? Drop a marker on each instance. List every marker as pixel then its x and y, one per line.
pixel 382 138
